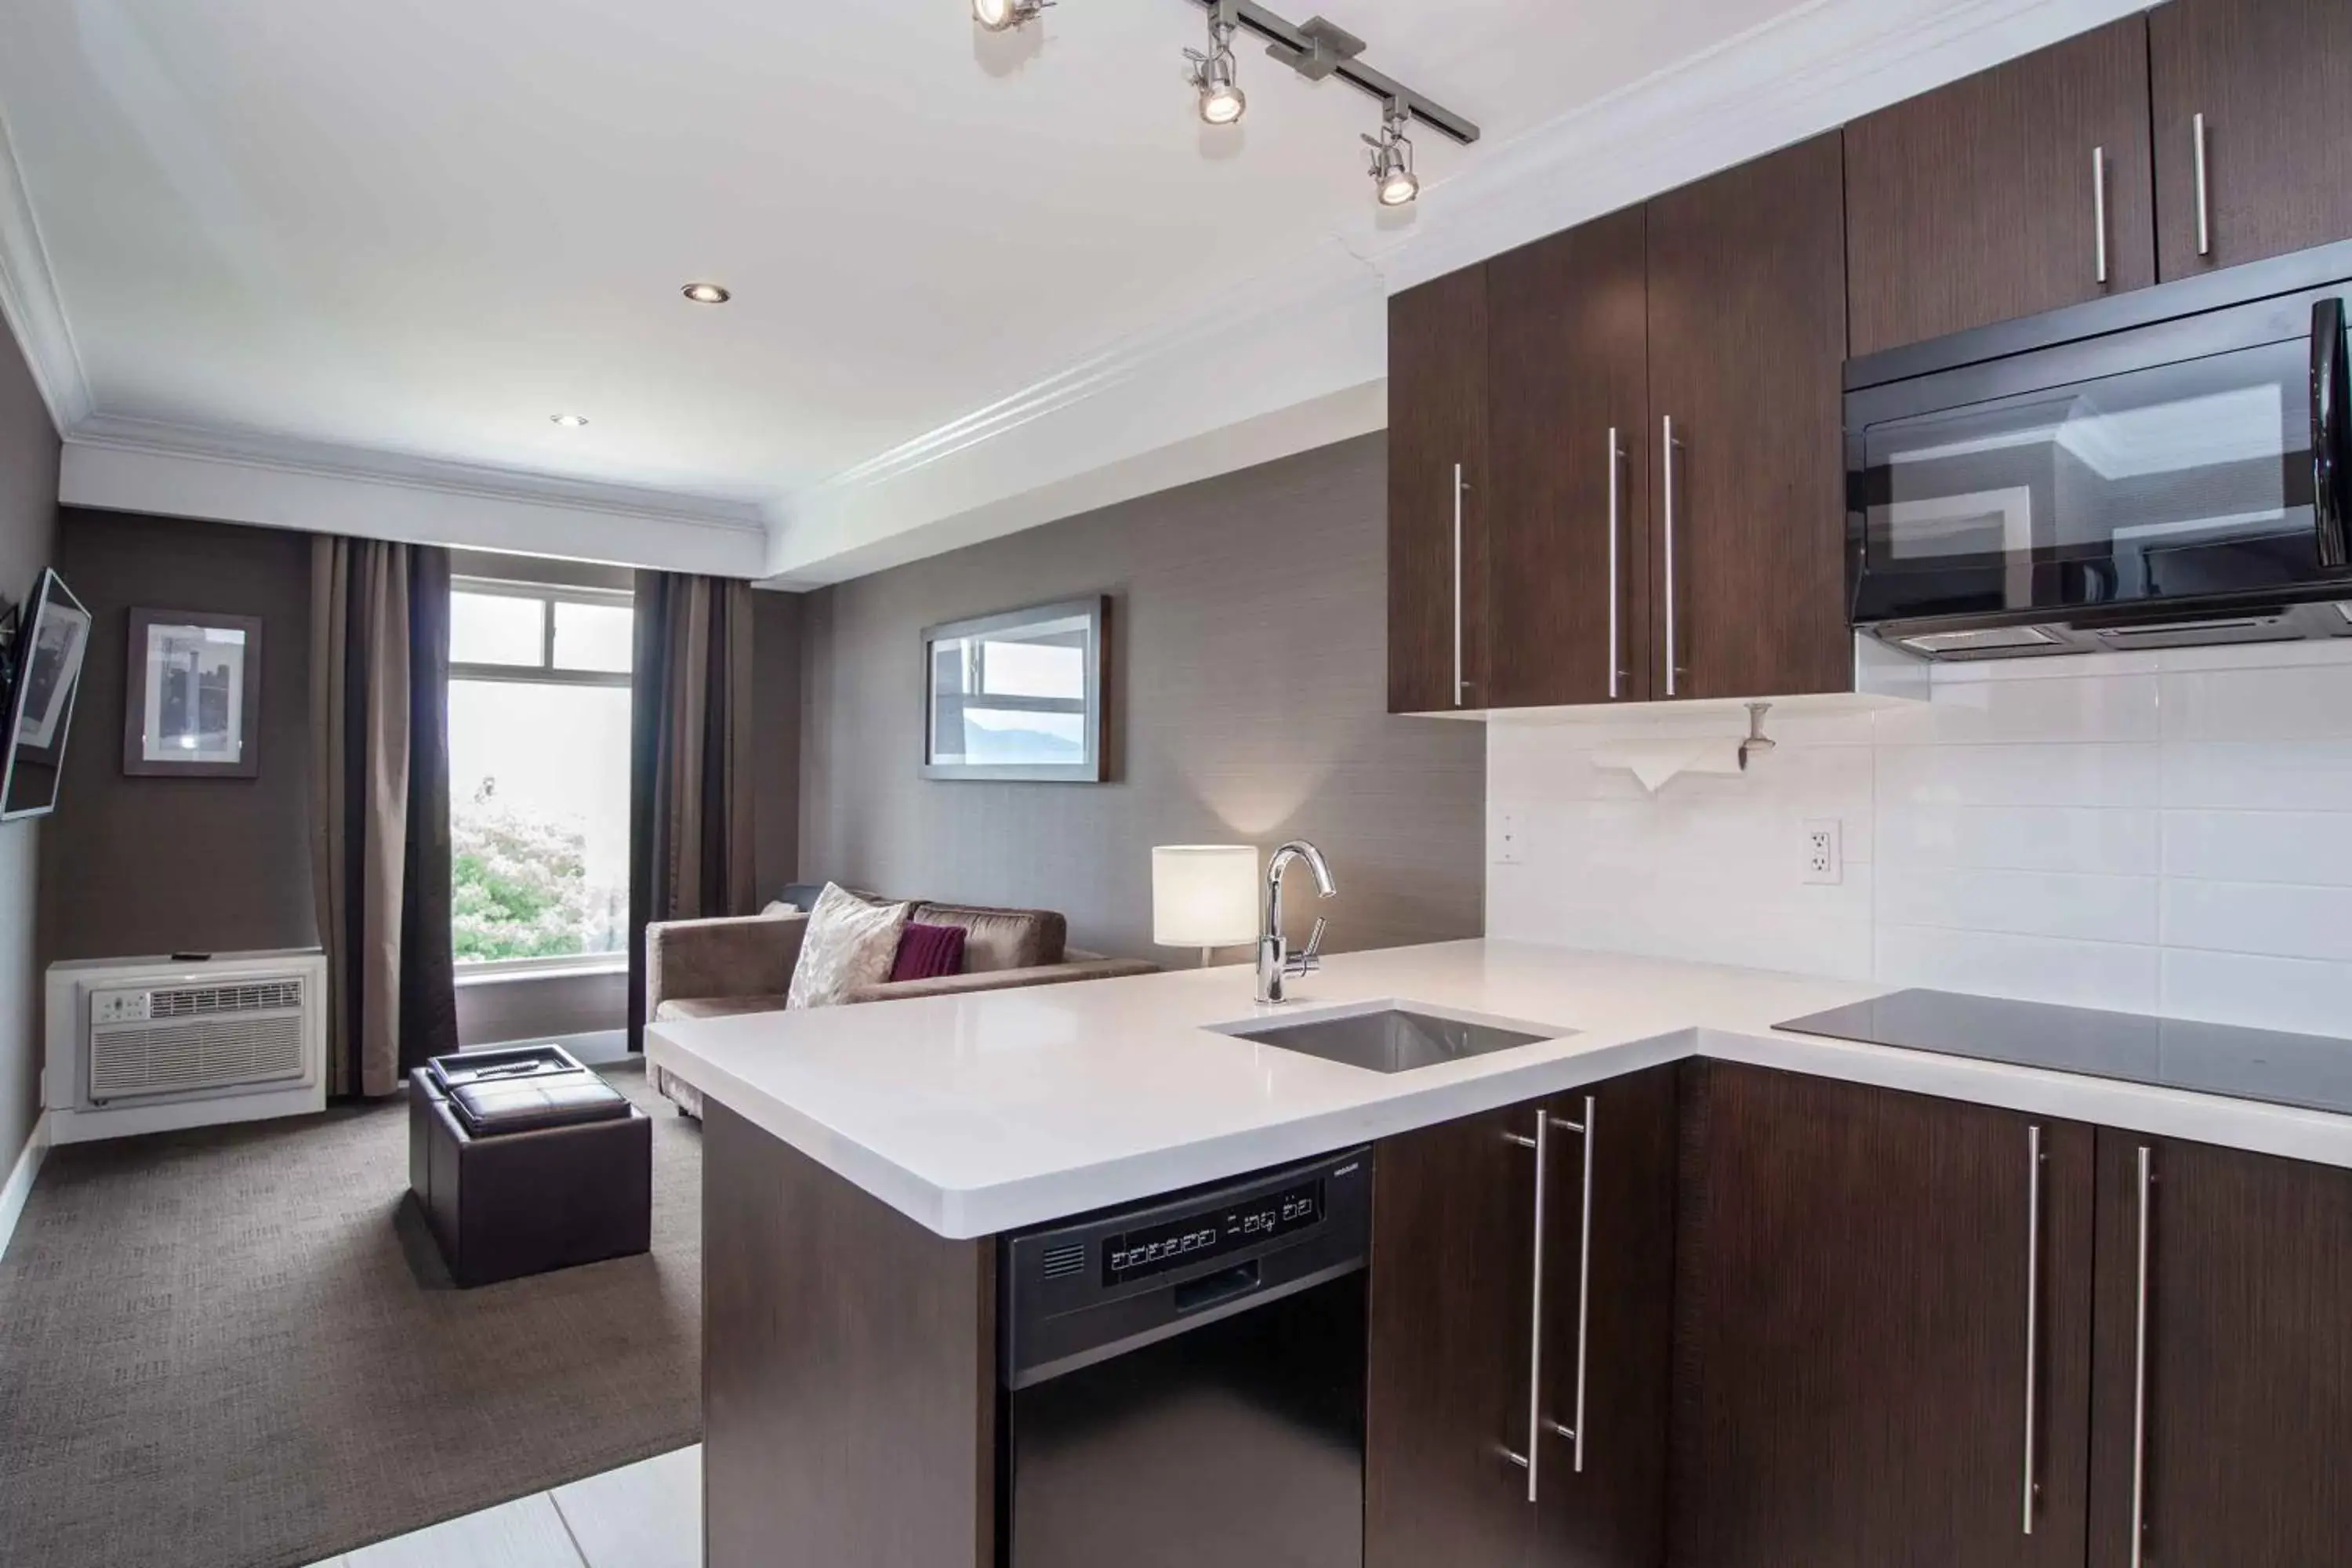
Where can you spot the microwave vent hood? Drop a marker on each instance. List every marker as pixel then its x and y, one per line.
pixel 2165 469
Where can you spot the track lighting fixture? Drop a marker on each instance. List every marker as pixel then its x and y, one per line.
pixel 1211 74
pixel 1004 16
pixel 1391 160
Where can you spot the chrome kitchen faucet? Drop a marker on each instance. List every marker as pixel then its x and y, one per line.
pixel 1275 964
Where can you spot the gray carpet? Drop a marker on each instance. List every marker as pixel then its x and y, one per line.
pixel 228 1348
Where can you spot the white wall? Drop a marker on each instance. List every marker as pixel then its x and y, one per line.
pixel 2157 833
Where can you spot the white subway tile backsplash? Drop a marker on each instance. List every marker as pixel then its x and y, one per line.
pixel 2282 775
pixel 2110 776
pixel 2259 992
pixel 2313 847
pixel 2145 832
pixel 2295 704
pixel 2034 969
pixel 2021 903
pixel 1994 712
pixel 2124 843
pixel 2278 920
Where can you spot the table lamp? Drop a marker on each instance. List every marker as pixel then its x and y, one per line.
pixel 1204 895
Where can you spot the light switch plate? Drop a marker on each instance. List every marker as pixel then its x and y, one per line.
pixel 1510 849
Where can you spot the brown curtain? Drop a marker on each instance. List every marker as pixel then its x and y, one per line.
pixel 380 806
pixel 691 760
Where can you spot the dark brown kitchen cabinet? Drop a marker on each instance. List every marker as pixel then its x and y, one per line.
pixel 1474 1404
pixel 1608 1342
pixel 1437 474
pixel 1446 1361
pixel 1569 406
pixel 1747 328
pixel 2243 1352
pixel 1859 1378
pixel 2015 191
pixel 2252 136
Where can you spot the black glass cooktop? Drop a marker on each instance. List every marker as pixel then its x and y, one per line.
pixel 2311 1071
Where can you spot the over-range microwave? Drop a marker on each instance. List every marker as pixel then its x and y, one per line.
pixel 2166 468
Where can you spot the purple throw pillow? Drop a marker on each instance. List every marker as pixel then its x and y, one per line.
pixel 927 953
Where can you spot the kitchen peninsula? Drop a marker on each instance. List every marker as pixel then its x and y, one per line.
pixel 1561 1210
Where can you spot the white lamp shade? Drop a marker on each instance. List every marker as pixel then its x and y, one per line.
pixel 1205 895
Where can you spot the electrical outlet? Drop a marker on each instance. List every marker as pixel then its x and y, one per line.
pixel 1510 849
pixel 1824 853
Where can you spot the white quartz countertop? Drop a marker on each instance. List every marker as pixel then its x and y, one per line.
pixel 994 1110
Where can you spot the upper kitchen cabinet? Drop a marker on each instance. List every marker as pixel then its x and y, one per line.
pixel 2253 133
pixel 1883 1332
pixel 1566 536
pixel 1437 478
pixel 2223 1365
pixel 1747 318
pixel 2016 191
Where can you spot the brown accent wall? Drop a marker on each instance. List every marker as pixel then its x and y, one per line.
pixel 132 866
pixel 1249 705
pixel 28 520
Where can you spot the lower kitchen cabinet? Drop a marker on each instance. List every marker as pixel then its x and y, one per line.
pixel 1509 1316
pixel 2224 1358
pixel 1608 1342
pixel 1882 1322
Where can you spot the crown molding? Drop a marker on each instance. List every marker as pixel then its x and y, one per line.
pixel 1304 349
pixel 145 466
pixel 29 303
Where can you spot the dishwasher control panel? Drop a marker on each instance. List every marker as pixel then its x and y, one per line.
pixel 1209 1232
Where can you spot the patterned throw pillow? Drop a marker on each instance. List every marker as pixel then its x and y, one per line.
pixel 850 942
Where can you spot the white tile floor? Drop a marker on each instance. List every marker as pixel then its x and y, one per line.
pixel 647 1515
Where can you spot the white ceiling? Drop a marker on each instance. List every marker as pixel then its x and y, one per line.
pixel 422 228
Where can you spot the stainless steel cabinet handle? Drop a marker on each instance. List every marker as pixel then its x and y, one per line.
pixel 2204 191
pixel 2099 205
pixel 1616 638
pixel 1457 585
pixel 2139 1368
pixel 1668 465
pixel 1574 1432
pixel 2032 1311
pixel 1531 1459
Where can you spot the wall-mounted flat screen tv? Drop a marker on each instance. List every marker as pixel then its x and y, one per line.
pixel 52 636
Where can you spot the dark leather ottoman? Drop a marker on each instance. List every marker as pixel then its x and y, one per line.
pixel 525 1202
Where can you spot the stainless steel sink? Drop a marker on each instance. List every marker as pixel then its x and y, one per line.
pixel 1388 1039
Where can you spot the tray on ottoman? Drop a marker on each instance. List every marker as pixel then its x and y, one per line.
pixel 523 1173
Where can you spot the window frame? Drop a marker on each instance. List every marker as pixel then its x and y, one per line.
pixel 546 672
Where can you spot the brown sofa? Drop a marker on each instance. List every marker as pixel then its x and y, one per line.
pixel 720 968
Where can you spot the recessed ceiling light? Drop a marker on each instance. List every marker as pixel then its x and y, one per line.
pixel 570 421
pixel 706 293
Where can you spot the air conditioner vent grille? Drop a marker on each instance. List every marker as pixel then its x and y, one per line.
pixel 195 1001
pixel 183 1055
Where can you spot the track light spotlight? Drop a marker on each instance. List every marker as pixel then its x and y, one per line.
pixel 1003 15
pixel 1391 160
pixel 1211 74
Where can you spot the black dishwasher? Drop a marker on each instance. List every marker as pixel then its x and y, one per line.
pixel 1183 1381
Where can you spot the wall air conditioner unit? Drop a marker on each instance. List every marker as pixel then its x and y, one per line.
pixel 147 1044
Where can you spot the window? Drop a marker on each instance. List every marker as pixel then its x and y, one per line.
pixel 539 774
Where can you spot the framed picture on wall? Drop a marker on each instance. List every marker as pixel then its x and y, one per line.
pixel 194 684
pixel 1018 696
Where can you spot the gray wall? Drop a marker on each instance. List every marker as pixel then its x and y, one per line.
pixel 28 517
pixel 1249 695
pixel 132 866
pixel 776 741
